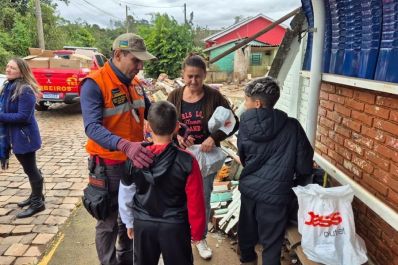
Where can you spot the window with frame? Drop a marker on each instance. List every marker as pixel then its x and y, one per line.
pixel 256 59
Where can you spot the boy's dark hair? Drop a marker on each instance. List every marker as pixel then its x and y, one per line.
pixel 194 60
pixel 162 117
pixel 265 89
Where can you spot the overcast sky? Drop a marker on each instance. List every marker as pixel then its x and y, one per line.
pixel 214 14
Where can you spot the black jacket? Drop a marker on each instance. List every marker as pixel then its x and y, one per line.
pixel 273 149
pixel 160 194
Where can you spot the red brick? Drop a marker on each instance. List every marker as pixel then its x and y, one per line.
pixel 336 137
pixel 386 126
pixel 344 152
pixel 360 116
pixel 385 151
pixel 328 87
pixel 362 140
pixel 344 91
pixel 335 156
pixel 391 102
pixel 353 104
pixel 394 115
pixel 324 95
pixel 373 133
pixel 377 111
pixel 381 175
pixel 377 160
pixel 342 130
pixel 394 169
pixel 327 104
pixel 393 197
pixel 353 125
pixel 342 110
pixel 365 97
pixel 374 184
pixel 321 147
pixel 393 184
pixel 392 142
pixel 327 141
pixel 364 165
pixel 352 168
pixel 327 123
pixel 334 116
pixel 322 112
pixel 322 130
pixel 337 99
pixel 353 147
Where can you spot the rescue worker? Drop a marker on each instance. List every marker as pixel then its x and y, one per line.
pixel 114 106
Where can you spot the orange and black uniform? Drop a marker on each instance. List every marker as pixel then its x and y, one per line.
pixel 113 108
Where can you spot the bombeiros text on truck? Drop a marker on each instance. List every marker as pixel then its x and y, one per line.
pixel 58 72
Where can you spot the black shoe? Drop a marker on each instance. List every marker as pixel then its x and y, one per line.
pixel 25 202
pixel 36 200
pixel 31 211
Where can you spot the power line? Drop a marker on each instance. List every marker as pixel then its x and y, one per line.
pixel 129 3
pixel 105 12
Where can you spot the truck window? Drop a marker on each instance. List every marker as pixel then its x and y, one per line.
pixel 100 60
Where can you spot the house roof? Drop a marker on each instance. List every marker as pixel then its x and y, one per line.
pixel 254 43
pixel 238 25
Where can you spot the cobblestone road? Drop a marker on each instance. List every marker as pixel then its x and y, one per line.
pixel 62 160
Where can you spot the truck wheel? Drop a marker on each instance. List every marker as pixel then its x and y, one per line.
pixel 41 107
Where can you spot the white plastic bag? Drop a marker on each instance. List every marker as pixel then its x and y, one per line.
pixel 326 223
pixel 209 162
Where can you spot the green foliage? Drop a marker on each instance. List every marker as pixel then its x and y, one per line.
pixel 169 42
pixel 165 38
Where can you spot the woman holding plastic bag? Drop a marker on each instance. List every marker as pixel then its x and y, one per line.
pixel 196 103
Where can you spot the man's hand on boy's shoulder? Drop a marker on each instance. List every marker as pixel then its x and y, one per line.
pixel 130 233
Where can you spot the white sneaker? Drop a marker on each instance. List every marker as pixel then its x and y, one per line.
pixel 204 250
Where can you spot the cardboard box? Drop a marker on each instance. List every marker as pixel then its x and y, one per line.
pixel 84 60
pixel 38 62
pixel 47 53
pixel 35 51
pixel 64 63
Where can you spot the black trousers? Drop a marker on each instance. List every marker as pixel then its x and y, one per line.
pixel 264 224
pixel 173 241
pixel 28 162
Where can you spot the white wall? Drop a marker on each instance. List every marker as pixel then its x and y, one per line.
pixel 295 88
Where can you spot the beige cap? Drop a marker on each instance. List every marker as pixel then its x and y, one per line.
pixel 133 43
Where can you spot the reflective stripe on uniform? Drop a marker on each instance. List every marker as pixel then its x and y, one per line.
pixel 139 103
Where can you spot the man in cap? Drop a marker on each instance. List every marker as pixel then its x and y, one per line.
pixel 114 106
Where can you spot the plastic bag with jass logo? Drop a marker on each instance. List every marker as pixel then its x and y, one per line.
pixel 326 223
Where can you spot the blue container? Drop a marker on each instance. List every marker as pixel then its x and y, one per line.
pixel 387 63
pixel 371 13
pixel 338 35
pixel 327 46
pixel 309 13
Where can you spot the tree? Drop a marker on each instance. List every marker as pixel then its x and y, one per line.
pixel 169 42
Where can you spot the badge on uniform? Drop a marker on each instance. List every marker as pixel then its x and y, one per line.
pixel 118 98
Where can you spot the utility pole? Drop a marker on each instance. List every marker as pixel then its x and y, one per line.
pixel 185 13
pixel 127 20
pixel 39 23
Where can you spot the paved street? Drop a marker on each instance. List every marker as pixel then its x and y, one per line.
pixel 62 160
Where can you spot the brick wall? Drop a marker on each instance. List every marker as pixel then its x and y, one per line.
pixel 358 133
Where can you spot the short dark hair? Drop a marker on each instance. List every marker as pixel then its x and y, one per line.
pixel 265 89
pixel 162 117
pixel 194 60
